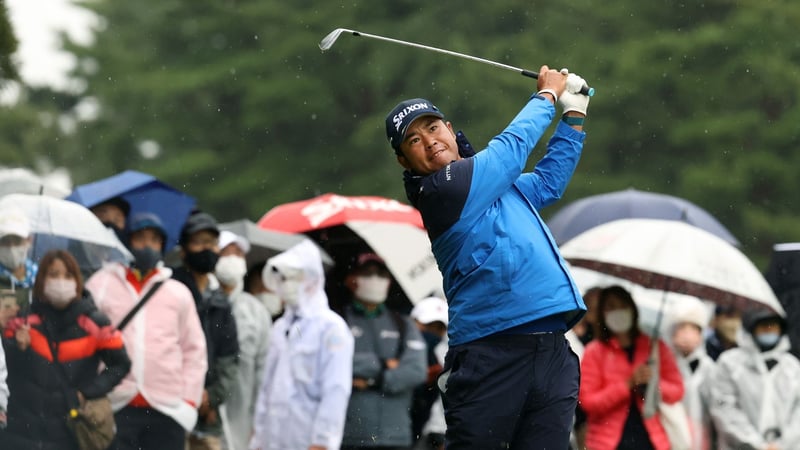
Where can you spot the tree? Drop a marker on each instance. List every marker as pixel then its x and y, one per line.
pixel 236 105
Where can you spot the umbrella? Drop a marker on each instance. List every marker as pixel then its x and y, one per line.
pixel 144 193
pixel 62 224
pixel 587 213
pixel 346 226
pixel 672 256
pixel 23 181
pixel 675 257
pixel 265 244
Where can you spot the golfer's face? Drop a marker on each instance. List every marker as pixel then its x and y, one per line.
pixel 429 145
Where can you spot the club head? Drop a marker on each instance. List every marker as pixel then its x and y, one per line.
pixel 327 42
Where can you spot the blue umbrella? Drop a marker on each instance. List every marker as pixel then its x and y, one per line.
pixel 589 212
pixel 144 193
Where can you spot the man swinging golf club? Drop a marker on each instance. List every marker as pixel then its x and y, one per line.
pixel 510 379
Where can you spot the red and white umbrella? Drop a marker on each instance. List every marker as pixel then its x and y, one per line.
pixel 345 226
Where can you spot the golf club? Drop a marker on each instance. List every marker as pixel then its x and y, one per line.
pixel 327 42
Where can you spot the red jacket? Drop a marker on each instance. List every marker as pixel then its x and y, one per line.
pixel 605 395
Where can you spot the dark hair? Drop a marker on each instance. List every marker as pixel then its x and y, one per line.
pixel 254 272
pixel 622 294
pixel 44 266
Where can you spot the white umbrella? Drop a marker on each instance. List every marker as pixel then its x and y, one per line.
pixel 672 256
pixel 58 223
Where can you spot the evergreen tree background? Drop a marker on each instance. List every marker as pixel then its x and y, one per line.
pixel 233 102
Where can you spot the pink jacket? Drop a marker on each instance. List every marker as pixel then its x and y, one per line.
pixel 164 340
pixel 605 395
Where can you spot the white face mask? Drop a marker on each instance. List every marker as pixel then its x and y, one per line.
pixel 372 289
pixel 60 291
pixel 13 256
pixel 230 270
pixel 272 302
pixel 287 282
pixel 619 320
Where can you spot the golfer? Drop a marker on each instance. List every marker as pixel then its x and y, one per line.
pixel 510 379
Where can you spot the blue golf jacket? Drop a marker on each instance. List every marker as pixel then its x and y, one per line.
pixel 501 267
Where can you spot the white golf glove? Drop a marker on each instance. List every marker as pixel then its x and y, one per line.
pixel 570 99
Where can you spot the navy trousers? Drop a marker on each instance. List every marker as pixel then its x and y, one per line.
pixel 147 429
pixel 515 392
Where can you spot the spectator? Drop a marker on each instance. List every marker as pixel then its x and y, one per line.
pixel 17 271
pixel 585 331
pixel 587 328
pixel 688 321
pixel 253 324
pixel 113 213
pixel 9 307
pixel 755 392
pixel 199 242
pixel 3 389
pixel 155 405
pixel 254 284
pixel 615 375
pixel 61 324
pixel 724 328
pixel 307 379
pixel 389 361
pixel 427 414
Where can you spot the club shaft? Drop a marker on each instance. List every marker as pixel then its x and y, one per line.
pixel 446 52
pixel 586 90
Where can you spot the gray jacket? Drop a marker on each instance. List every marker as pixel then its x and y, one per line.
pixel 379 416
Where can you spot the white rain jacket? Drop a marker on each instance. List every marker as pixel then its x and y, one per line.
pixel 695 399
pixel 748 403
pixel 695 396
pixel 308 371
pixel 253 326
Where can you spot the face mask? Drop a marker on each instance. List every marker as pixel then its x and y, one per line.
pixel 201 262
pixel 728 327
pixel 686 339
pixel 230 270
pixel 286 282
pixel 767 340
pixel 373 289
pixel 60 291
pixel 272 302
pixel 13 256
pixel 619 320
pixel 145 259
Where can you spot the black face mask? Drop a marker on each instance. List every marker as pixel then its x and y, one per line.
pixel 145 259
pixel 201 262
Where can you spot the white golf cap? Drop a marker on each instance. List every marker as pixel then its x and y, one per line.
pixel 429 310
pixel 227 238
pixel 14 222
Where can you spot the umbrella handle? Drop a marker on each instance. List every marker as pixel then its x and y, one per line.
pixel 651 394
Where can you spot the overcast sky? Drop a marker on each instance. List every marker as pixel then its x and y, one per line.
pixel 36 24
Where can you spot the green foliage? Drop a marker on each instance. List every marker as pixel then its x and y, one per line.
pixel 697 99
pixel 8 46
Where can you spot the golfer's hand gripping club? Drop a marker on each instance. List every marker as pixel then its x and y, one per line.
pixel 572 99
pixel 583 89
pixel 328 41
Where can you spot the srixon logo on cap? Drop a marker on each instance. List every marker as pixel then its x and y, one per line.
pixel 398 118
